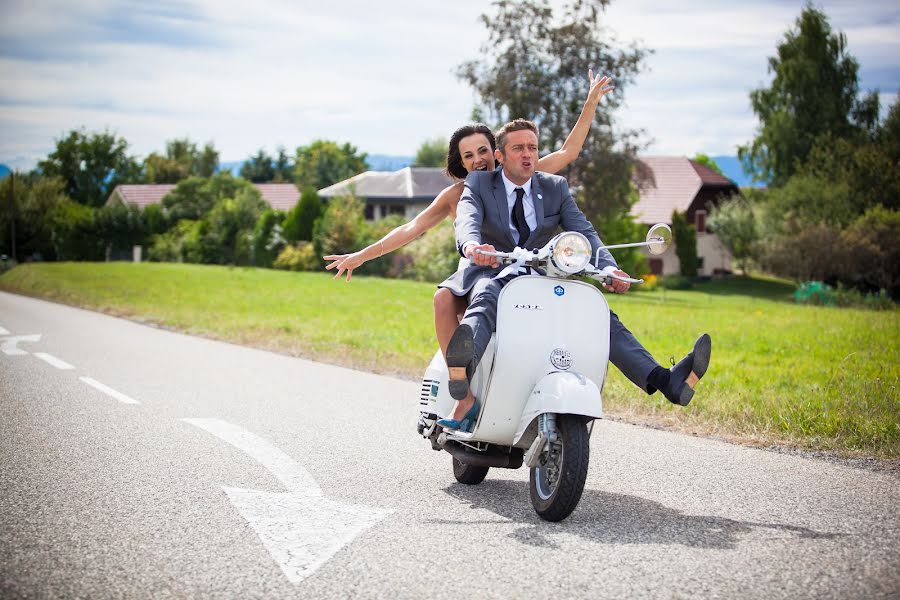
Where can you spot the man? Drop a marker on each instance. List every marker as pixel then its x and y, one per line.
pixel 515 206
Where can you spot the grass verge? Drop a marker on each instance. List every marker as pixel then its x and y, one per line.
pixel 813 377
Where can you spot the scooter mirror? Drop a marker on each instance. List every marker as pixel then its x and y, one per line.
pixel 659 238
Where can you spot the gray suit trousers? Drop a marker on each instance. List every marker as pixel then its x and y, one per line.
pixel 625 352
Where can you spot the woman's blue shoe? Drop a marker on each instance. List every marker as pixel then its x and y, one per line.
pixel 467 423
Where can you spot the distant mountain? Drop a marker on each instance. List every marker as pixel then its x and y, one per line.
pixel 233 166
pixel 4 171
pixel 376 162
pixel 732 169
pixel 384 162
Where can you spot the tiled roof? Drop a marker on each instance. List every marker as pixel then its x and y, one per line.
pixel 280 196
pixel 710 177
pixel 413 183
pixel 673 183
pixel 142 195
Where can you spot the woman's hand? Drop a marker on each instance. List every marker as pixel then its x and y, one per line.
pixel 344 262
pixel 600 86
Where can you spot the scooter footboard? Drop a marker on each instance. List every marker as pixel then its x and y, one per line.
pixel 561 392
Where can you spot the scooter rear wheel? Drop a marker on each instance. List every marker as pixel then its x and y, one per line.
pixel 469 474
pixel 556 487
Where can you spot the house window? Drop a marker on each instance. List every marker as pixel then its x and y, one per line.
pixel 700 221
pixel 395 209
pixel 369 212
pixel 656 266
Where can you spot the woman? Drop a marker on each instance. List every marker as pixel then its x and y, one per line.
pixel 471 148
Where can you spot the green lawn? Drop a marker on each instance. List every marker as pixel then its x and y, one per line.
pixel 821 378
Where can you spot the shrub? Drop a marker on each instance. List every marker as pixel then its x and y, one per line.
pixel 433 257
pixel 299 257
pixel 815 293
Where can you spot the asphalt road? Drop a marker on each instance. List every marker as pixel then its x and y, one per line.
pixel 137 462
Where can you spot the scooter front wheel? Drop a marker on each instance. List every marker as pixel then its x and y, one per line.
pixel 468 474
pixel 557 485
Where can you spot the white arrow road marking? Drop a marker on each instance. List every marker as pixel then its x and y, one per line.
pixel 108 391
pixel 8 345
pixel 301 529
pixel 49 358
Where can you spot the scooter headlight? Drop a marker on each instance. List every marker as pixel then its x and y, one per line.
pixel 571 252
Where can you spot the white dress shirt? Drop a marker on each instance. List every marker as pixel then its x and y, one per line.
pixel 527 204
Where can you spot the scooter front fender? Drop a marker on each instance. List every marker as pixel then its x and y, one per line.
pixel 561 392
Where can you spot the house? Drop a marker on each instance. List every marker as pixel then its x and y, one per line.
pixel 678 183
pixel 669 183
pixel 280 196
pixel 405 192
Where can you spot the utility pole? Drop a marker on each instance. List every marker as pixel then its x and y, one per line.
pixel 12 212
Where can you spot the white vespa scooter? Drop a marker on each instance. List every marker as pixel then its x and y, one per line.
pixel 539 380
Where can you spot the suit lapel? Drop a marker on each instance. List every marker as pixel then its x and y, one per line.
pixel 502 206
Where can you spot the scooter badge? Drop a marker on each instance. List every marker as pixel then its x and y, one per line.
pixel 561 358
pixel 559 291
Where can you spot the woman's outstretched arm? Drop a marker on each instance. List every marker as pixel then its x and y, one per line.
pixel 398 237
pixel 571 148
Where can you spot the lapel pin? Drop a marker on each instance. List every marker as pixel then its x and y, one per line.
pixel 540 197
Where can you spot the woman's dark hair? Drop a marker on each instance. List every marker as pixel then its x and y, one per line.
pixel 455 167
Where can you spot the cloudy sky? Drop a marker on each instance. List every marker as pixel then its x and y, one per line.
pixel 250 75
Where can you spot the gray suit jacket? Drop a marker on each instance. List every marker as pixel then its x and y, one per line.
pixel 483 215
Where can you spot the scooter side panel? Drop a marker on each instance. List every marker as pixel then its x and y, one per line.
pixel 537 316
pixel 434 398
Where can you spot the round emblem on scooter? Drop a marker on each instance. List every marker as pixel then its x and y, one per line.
pixel 561 358
pixel 559 290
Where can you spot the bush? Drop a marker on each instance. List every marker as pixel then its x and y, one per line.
pixel 815 293
pixel 432 257
pixel 299 257
pixel 873 247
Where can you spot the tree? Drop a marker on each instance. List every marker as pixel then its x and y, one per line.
pixel 194 197
pixel 298 225
pixel 118 227
pixel 685 244
pixel 30 202
pixel 707 162
pixel 814 92
pixel 324 163
pixel 91 165
pixel 226 232
pixel 259 168
pixel 734 224
pixel 268 238
pixel 534 65
pixel 284 168
pixel 182 160
pixel 432 153
pixel 341 228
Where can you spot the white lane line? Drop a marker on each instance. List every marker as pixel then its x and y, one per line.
pixel 294 477
pixel 49 358
pixel 108 391
pixel 9 344
pixel 300 529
